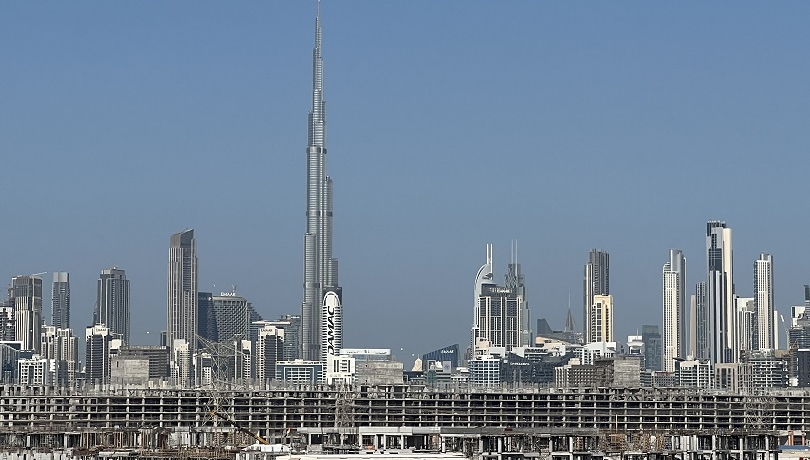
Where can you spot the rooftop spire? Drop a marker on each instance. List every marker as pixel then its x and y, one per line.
pixel 317 116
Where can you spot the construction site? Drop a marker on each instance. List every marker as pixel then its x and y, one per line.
pixel 553 423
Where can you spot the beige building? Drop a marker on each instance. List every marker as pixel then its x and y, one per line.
pixel 601 320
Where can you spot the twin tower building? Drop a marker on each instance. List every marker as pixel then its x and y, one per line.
pixel 721 326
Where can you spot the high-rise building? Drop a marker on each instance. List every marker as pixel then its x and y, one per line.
pixel 97 354
pixel 651 337
pixel 321 310
pixel 26 293
pixel 601 320
pixel 501 315
pixel 291 325
pixel 181 321
pixel 112 302
pixel 746 311
pixel 763 298
pixel 8 332
pixel 232 317
pixel 674 305
pixel 269 351
pixel 722 321
pixel 206 320
pixel 60 300
pixel 699 323
pixel 596 282
pixel 61 348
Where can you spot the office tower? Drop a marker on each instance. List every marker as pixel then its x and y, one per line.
pixel 674 304
pixel 724 347
pixel 601 320
pixel 61 348
pixel 231 316
pixel 181 321
pixel 269 351
pixel 501 317
pixel 206 321
pixel 699 340
pixel 112 302
pixel 291 325
pixel 8 332
pixel 448 354
pixel 746 311
pixel 292 337
pixel 596 282
pixel 60 300
pixel 763 298
pixel 26 293
pixel 514 282
pixel 321 311
pixel 653 346
pixel 97 357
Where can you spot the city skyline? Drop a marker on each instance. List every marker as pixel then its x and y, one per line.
pixel 689 96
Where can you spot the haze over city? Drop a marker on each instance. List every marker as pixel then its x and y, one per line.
pixel 451 125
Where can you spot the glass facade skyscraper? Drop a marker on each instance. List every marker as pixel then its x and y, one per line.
pixel 181 321
pixel 112 302
pixel 321 310
pixel 60 300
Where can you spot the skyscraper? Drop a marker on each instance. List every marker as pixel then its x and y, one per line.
pixel 321 310
pixel 601 321
pixel 501 316
pixel 181 321
pixel 112 302
pixel 763 301
pixel 674 308
pixel 60 300
pixel 651 337
pixel 720 303
pixel 699 340
pixel 596 282
pixel 97 354
pixel 231 316
pixel 26 293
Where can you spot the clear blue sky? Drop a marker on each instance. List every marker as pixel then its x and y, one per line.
pixel 565 126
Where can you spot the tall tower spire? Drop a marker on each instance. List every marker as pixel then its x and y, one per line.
pixel 321 319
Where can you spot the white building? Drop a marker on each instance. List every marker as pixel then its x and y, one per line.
pixel 331 325
pixel 746 323
pixel 34 371
pixel 485 371
pixel 61 348
pixel 601 320
pixel 694 373
pixel 763 298
pixel 674 308
pixel 340 370
pixel 592 351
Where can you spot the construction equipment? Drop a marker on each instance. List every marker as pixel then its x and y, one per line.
pixel 238 427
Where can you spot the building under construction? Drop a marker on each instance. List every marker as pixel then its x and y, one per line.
pixel 558 423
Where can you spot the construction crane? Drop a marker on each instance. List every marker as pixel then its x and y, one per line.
pixel 238 427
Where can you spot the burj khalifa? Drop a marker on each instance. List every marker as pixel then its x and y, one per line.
pixel 321 311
